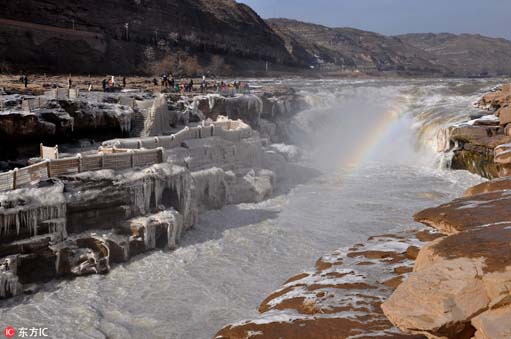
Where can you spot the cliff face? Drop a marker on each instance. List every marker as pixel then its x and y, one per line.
pixel 91 36
pixel 350 49
pixel 465 54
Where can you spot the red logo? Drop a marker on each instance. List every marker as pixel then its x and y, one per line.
pixel 9 332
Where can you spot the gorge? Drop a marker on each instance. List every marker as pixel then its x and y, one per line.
pixel 369 164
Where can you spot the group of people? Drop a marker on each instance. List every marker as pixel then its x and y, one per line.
pixel 24 79
pixel 109 83
pixel 167 81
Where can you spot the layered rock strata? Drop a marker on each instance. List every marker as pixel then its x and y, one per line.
pixel 462 281
pixel 482 144
pixel 26 121
pixel 84 223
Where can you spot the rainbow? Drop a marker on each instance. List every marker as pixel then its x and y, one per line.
pixel 381 131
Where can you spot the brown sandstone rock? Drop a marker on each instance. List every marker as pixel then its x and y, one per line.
pixel 504 115
pixel 469 212
pixel 427 235
pixel 412 252
pixel 455 279
pixel 497 99
pixel 501 184
pixel 503 154
pixel 493 324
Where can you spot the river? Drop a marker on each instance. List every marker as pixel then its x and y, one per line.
pixel 369 145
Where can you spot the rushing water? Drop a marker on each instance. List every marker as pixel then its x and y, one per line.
pixel 370 143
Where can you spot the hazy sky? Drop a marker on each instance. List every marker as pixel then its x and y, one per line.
pixel 487 17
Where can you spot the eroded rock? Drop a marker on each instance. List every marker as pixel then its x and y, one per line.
pixel 455 279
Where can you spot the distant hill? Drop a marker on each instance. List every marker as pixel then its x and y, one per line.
pixel 91 36
pixel 351 49
pixel 465 54
pixel 221 36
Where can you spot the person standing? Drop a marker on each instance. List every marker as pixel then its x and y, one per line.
pixel 69 82
pixel 25 80
pixel 124 82
pixel 104 84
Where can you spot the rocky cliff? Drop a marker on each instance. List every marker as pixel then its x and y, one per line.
pixel 218 36
pixel 481 145
pixel 465 54
pixel 84 223
pixel 348 49
pixel 92 37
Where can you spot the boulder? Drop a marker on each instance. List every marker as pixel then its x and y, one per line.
pixel 493 324
pixel 501 184
pixel 504 115
pixel 503 154
pixel 455 279
pixel 468 212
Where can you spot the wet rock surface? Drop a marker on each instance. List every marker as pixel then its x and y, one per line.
pixel 340 298
pixel 462 281
pixel 481 145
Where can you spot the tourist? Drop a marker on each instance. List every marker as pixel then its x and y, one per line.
pixel 172 82
pixel 104 82
pixel 90 87
pixel 123 82
pixel 163 80
pixel 69 82
pixel 155 82
pixel 25 80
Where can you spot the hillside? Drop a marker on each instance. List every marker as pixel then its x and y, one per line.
pixel 189 37
pixel 465 54
pixel 90 35
pixel 348 49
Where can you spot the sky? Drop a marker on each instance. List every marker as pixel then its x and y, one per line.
pixel 390 17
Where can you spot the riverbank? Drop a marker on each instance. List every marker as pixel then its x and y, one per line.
pixel 235 256
pixel 457 269
pixel 89 207
pixel 463 278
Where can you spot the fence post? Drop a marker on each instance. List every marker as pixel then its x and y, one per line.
pixel 139 144
pixel 132 160
pixel 48 168
pixel 160 154
pixel 212 130
pixel 80 162
pixel 14 175
pixel 41 153
pixel 56 151
pixel 12 179
pixel 200 132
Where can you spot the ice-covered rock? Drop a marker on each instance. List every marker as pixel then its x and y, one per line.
pixel 27 212
pixel 210 188
pixel 249 186
pixel 289 152
pixel 107 198
pixel 161 230
pixel 245 107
